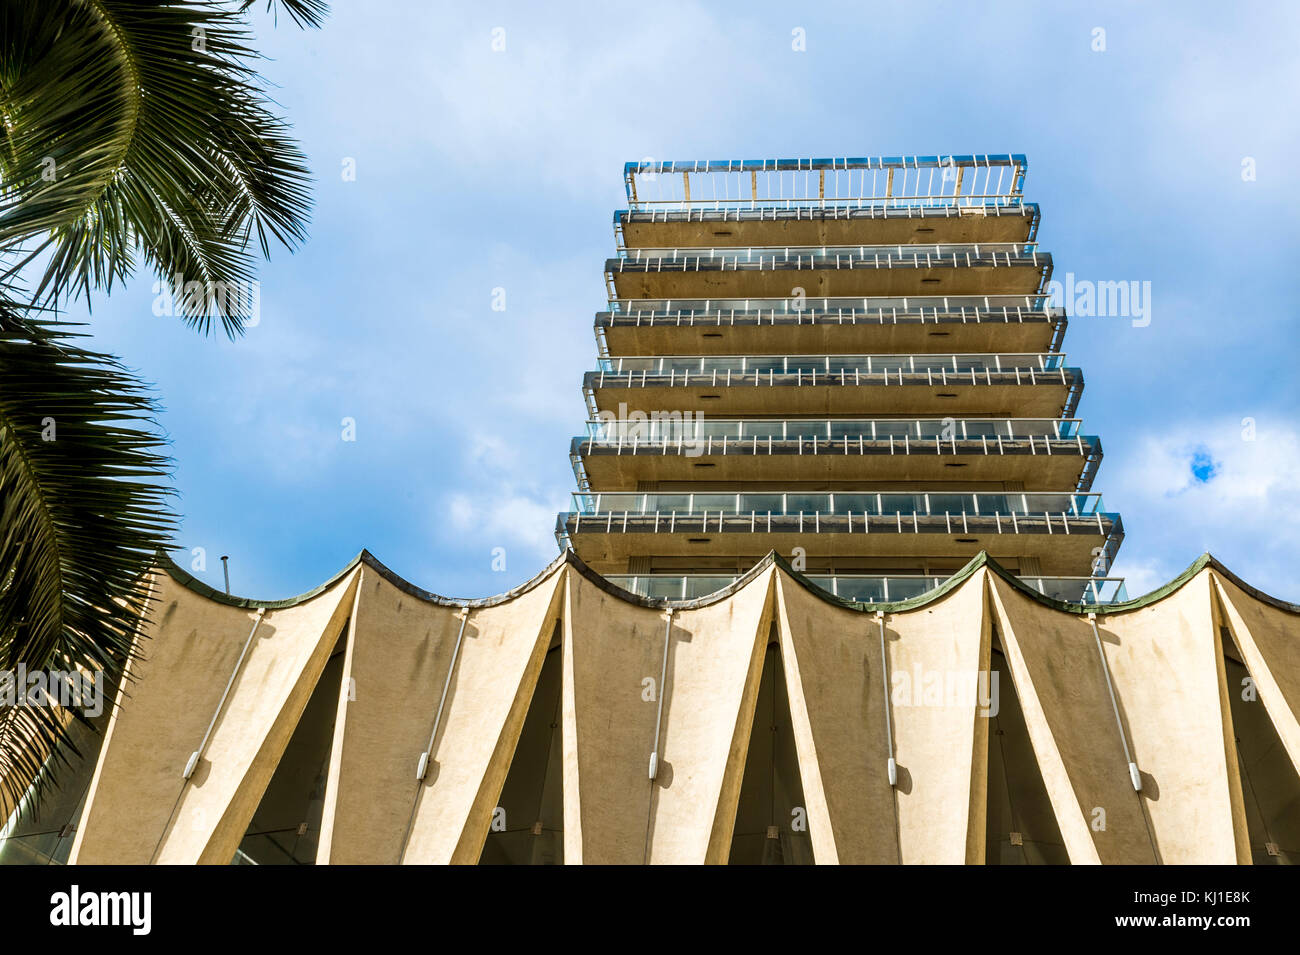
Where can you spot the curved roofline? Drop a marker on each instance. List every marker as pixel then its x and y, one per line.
pixel 571 559
pixel 192 583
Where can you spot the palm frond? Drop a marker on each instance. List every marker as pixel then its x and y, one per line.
pixel 84 509
pixel 140 128
pixel 305 13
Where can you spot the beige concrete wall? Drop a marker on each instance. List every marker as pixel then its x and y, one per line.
pixel 492 685
pixel 825 231
pixel 1059 679
pixel 395 663
pixel 611 648
pixel 863 337
pixel 1166 660
pixel 610 470
pixel 614 813
pixel 942 750
pixel 139 808
pixel 836 686
pixel 823 283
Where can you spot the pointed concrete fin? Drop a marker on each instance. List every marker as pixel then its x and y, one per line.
pixel 615 687
pixel 836 687
pixel 398 654
pixel 835 677
pixel 940 738
pixel 492 684
pixel 1061 685
pixel 613 658
pixel 1166 662
pixel 141 808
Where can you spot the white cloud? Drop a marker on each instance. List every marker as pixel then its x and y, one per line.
pixel 503 509
pixel 1247 514
pixel 506 517
pixel 1141 576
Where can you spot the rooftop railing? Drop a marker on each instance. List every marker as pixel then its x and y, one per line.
pixel 969 181
pixel 869 588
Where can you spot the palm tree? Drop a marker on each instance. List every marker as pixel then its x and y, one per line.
pixel 130 130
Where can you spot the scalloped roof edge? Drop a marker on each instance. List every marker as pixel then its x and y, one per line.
pixel 571 559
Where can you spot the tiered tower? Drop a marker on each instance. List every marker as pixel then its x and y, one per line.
pixel 853 362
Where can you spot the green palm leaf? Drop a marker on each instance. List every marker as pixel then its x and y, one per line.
pixel 305 13
pixel 130 130
pixel 139 129
pixel 83 512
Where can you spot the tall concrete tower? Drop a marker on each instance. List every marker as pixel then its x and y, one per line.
pixel 853 362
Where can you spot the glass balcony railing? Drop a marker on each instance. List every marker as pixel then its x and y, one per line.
pixel 815 365
pixel 924 181
pixel 869 588
pixel 837 256
pixel 857 503
pixel 874 306
pixel 656 429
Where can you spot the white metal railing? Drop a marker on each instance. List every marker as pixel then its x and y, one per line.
pixel 931 255
pixel 667 427
pixel 838 504
pixel 928 181
pixel 870 305
pixel 830 364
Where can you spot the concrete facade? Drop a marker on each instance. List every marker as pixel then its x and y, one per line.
pixel 550 701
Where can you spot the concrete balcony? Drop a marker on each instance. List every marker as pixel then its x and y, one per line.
pixel 1037 454
pixel 872 224
pixel 903 325
pixel 1001 385
pixel 824 271
pixel 1066 533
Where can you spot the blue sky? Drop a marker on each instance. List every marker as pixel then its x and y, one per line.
pixel 478 169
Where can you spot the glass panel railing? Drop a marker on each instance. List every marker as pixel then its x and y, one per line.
pixel 808 365
pixel 668 426
pixel 958 253
pixel 1089 590
pixel 869 305
pixel 868 588
pixel 853 502
pixel 861 589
